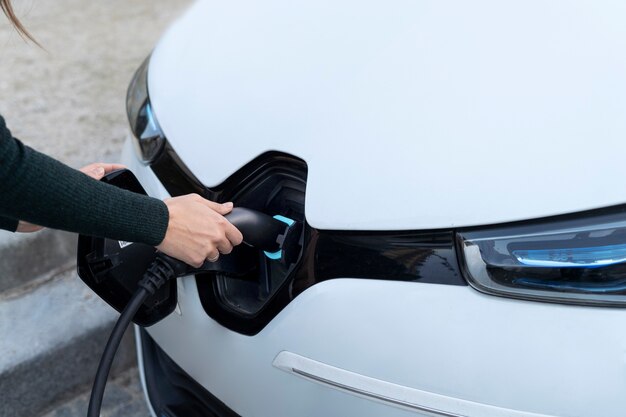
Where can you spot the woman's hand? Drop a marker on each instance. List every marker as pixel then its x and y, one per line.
pixel 96 171
pixel 25 227
pixel 197 230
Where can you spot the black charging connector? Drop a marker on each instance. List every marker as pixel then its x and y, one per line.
pixel 135 279
pixel 259 230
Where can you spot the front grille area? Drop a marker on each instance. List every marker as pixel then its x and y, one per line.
pixel 275 183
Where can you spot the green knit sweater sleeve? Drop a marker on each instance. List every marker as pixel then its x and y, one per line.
pixel 43 191
pixel 7 223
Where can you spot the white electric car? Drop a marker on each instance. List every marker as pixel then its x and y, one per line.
pixel 458 171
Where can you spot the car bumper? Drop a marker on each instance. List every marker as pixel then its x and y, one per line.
pixel 474 354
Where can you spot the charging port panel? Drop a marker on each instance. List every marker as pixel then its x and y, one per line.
pixel 274 184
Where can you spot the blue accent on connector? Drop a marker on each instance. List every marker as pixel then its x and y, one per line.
pixel 286 220
pixel 275 255
pixel 279 254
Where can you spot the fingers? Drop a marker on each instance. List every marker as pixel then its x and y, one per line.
pixel 213 256
pixel 227 235
pixel 197 230
pixel 222 209
pixel 108 168
pixel 233 234
pixel 25 227
pixel 98 170
pixel 95 171
pixel 224 246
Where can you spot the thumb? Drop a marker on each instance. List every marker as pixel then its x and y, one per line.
pixel 97 173
pixel 223 209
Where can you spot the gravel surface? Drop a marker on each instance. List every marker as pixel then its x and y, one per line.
pixel 69 100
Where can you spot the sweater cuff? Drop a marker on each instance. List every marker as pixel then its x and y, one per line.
pixel 7 223
pixel 161 216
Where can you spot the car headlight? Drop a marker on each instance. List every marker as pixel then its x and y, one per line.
pixel 579 261
pixel 149 138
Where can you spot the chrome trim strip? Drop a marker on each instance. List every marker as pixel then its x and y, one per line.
pixel 389 393
pixel 375 396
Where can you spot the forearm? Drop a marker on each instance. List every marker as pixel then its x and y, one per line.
pixel 41 190
pixel 7 223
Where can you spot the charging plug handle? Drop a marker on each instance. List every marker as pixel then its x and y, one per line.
pixel 259 230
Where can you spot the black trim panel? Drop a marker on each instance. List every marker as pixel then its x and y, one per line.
pixel 171 391
pixel 174 174
pixel 427 257
pixel 407 256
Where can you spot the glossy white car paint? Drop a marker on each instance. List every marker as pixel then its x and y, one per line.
pixel 410 114
pixel 505 355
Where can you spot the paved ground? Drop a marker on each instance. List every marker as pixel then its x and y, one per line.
pixel 69 100
pixel 123 398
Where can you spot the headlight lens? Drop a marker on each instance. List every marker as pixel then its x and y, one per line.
pixel 580 261
pixel 149 138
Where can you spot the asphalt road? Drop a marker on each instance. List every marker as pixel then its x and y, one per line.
pixel 69 99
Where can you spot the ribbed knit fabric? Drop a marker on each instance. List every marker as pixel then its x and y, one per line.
pixel 7 223
pixel 43 191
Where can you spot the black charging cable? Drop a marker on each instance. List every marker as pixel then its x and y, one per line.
pixel 261 231
pixel 154 278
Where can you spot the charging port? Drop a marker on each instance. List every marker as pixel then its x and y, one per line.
pixel 277 188
pixel 249 296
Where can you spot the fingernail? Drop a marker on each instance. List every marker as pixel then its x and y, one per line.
pixel 228 205
pixel 99 171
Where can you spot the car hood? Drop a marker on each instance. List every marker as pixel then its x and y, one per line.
pixel 409 114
